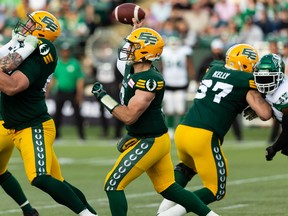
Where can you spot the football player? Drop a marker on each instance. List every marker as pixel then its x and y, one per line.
pixel 226 90
pixel 177 68
pixel 26 116
pixel 146 146
pixel 12 55
pixel 269 76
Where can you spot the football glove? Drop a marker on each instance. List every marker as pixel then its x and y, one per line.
pixel 30 44
pixel 17 37
pixel 98 90
pixel 103 97
pixel 249 113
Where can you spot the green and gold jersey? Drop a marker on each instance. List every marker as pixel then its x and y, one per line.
pixel 220 97
pixel 28 108
pixel 152 121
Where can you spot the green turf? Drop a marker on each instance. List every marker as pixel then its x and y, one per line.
pixel 255 187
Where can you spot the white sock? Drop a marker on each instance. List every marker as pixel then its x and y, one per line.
pixel 211 213
pixel 86 212
pixel 176 210
pixel 165 205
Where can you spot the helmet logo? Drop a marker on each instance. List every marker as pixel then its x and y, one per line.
pixel 50 23
pixel 148 38
pixel 151 85
pixel 249 53
pixel 276 60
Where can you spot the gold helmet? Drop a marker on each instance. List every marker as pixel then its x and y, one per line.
pixel 145 45
pixel 41 24
pixel 241 57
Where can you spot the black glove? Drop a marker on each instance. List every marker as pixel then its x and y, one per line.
pixel 98 90
pixel 270 153
pixel 249 113
pixel 103 97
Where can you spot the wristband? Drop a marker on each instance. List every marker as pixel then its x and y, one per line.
pixel 25 51
pixel 109 102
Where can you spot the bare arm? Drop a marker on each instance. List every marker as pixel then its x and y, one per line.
pixel 259 105
pixel 135 108
pixel 13 84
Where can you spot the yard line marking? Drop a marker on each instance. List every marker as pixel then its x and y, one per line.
pixel 235 206
pixel 103 201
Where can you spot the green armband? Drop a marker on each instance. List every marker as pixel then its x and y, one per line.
pixel 109 102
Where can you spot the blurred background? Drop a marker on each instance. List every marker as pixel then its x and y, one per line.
pixel 204 25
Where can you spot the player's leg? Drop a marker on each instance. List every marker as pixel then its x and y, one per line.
pixel 59 101
pixel 169 110
pixel 8 182
pixel 131 163
pixel 162 176
pixel 180 103
pixel 78 116
pixel 35 145
pixel 199 149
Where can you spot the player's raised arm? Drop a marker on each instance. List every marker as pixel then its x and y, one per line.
pixel 13 59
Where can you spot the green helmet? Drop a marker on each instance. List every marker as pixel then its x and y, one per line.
pixel 269 73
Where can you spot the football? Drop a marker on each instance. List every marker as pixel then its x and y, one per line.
pixel 124 13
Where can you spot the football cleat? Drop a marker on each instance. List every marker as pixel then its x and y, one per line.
pixel 34 212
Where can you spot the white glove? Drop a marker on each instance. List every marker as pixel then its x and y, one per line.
pixel 30 44
pixel 17 37
pixel 11 45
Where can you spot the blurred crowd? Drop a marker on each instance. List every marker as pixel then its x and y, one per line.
pixel 197 22
pixel 234 21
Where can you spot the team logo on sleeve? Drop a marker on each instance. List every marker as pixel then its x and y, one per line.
pixel 45 52
pixel 149 84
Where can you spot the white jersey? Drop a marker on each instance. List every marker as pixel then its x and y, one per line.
pixel 174 63
pixel 279 99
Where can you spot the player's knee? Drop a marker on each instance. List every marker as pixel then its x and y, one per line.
pixel 185 170
pixel 39 181
pixel 4 176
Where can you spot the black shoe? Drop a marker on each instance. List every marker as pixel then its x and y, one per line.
pixel 270 153
pixel 34 212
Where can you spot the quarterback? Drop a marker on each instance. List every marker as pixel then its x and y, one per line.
pixel 26 116
pixel 146 146
pixel 225 91
pixel 269 76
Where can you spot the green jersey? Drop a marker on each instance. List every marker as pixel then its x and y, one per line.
pixel 152 121
pixel 67 74
pixel 28 108
pixel 220 97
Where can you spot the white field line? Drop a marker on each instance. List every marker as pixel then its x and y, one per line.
pixel 103 201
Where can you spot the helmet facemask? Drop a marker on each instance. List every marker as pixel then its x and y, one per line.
pixel 267 82
pixel 269 73
pixel 129 52
pixel 25 29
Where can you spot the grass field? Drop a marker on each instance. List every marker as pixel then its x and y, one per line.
pixel 255 187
